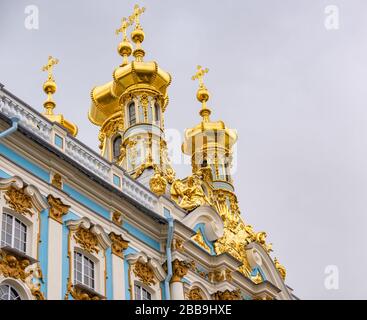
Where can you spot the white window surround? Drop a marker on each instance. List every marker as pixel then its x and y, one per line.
pixel 84 270
pixel 13 232
pixel 98 258
pixel 159 275
pixel 32 221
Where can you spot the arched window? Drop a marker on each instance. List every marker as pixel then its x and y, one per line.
pixel 157 113
pixel 132 114
pixel 116 146
pixel 8 293
pixel 13 233
pixel 141 293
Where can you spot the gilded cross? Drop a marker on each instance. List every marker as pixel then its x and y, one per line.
pixel 125 23
pixel 199 75
pixel 49 66
pixel 136 15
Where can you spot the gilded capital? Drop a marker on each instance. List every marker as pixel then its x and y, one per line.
pixel 57 208
pixel 228 295
pixel 180 269
pixel 118 244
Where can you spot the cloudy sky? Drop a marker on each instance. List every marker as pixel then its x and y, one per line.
pixel 294 90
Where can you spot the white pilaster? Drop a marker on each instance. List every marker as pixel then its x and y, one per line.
pixel 118 280
pixel 54 276
pixel 177 291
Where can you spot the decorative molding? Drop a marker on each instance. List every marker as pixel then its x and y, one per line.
pixel 118 244
pixel 195 294
pixel 228 295
pixel 19 201
pixel 57 208
pixel 180 269
pixel 117 218
pixel 14 267
pixel 144 272
pixel 57 181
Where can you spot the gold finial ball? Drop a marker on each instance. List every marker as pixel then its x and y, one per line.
pixel 49 87
pixel 202 95
pixel 137 36
pixel 125 48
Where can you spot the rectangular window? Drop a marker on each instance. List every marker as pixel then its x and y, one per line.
pixel 59 141
pixel 83 270
pixel 116 181
pixel 13 233
pixel 141 293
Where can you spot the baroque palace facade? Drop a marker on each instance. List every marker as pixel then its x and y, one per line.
pixel 82 226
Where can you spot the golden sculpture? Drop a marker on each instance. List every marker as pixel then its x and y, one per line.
pixel 195 294
pixel 37 293
pixel 144 273
pixel 87 240
pixel 57 181
pixel 79 294
pixel 57 208
pixel 118 244
pixel 220 275
pixel 178 244
pixel 281 269
pixel 49 87
pixel 19 201
pixel 189 194
pixel 14 267
pixel 228 295
pixel 158 184
pixel 138 34
pixel 125 48
pixel 180 269
pixel 117 218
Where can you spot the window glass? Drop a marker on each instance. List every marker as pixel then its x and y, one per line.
pixel 8 293
pixel 83 270
pixel 13 233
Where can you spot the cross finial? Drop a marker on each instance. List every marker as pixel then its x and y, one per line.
pixel 49 66
pixel 136 15
pixel 125 23
pixel 199 75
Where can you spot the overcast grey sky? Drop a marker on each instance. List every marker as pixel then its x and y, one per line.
pixel 294 91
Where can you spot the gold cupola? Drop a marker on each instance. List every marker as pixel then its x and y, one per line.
pixel 130 109
pixel 210 143
pixel 49 87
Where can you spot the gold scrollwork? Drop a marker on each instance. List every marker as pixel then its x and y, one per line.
pixel 180 269
pixel 117 218
pixel 87 240
pixel 118 244
pixel 144 273
pixel 195 294
pixel 228 295
pixel 19 201
pixel 14 267
pixel 57 208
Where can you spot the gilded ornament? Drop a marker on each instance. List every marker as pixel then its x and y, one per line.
pixel 117 218
pixel 195 294
pixel 281 269
pixel 158 184
pixel 19 201
pixel 199 239
pixel 118 244
pixel 57 181
pixel 177 244
pixel 189 194
pixel 228 295
pixel 79 294
pixel 37 293
pixel 144 273
pixel 57 208
pixel 87 240
pixel 180 269
pixel 14 267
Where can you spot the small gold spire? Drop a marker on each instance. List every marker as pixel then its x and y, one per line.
pixel 125 48
pixel 138 34
pixel 49 87
pixel 202 94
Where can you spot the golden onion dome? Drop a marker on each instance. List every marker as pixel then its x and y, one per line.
pixel 133 76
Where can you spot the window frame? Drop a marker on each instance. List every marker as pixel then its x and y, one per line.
pixel 91 279
pixel 142 290
pixel 10 290
pixel 23 243
pixel 131 120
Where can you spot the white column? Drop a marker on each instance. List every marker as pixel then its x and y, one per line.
pixel 177 291
pixel 54 272
pixel 118 274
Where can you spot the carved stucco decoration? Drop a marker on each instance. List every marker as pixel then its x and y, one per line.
pixel 195 294
pixel 227 295
pixel 89 236
pixel 118 244
pixel 220 275
pixel 281 269
pixel 144 273
pixel 79 294
pixel 14 267
pixel 57 181
pixel 117 218
pixel 19 201
pixel 199 239
pixel 158 183
pixel 189 193
pixel 179 269
pixel 57 208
